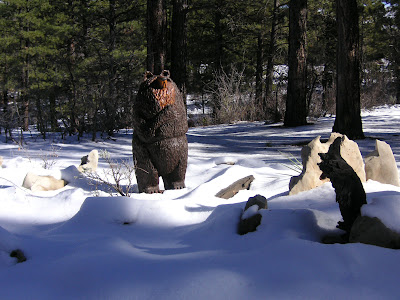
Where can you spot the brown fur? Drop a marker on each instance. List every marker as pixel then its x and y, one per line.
pixel 159 142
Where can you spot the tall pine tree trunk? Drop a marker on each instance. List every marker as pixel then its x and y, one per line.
pixel 156 35
pixel 25 45
pixel 270 62
pixel 259 73
pixel 178 44
pixel 219 50
pixel 53 109
pixel 110 102
pixel 398 85
pixel 296 103
pixel 348 110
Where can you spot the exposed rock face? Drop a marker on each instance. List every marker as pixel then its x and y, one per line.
pixel 250 218
pixel 372 231
pixel 89 162
pixel 258 200
pixel 42 183
pixel 234 188
pixel 159 142
pixel 310 176
pixel 380 165
pixel 349 190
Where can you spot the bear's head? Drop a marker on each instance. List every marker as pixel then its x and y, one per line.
pixel 160 87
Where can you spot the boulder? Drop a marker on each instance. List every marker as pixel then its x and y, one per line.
pixel 258 200
pixel 234 188
pixel 310 176
pixel 19 255
pixel 250 218
pixel 371 230
pixel 380 165
pixel 89 162
pixel 36 183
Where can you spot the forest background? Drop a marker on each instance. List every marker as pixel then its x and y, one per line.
pixel 74 66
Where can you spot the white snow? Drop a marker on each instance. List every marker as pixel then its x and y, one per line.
pixel 84 244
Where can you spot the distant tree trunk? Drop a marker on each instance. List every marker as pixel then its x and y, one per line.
pixel 270 60
pixel 6 115
pixel 296 102
pixel 325 78
pixel 178 44
pixel 52 110
pixel 398 86
pixel 25 82
pixel 110 102
pixel 40 122
pixel 348 110
pixel 25 97
pixel 259 73
pixel 156 35
pixel 219 50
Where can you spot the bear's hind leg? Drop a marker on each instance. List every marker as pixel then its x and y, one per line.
pixel 147 178
pixel 176 179
pixel 146 174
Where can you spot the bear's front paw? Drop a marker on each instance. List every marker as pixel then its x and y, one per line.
pixel 174 185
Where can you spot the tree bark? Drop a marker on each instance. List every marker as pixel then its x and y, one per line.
pixel 52 109
pixel 178 44
pixel 259 72
pixel 25 95
pixel 398 86
pixel 348 110
pixel 110 103
pixel 270 59
pixel 296 103
pixel 156 35
pixel 219 49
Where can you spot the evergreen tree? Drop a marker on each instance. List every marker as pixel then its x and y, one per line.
pixel 156 35
pixel 393 30
pixel 348 111
pixel 296 113
pixel 75 65
pixel 179 44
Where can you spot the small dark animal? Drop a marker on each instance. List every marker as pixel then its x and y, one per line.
pixel 349 190
pixel 159 143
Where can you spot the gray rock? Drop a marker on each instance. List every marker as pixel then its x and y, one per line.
pixel 234 188
pixel 380 165
pixel 250 224
pixel 89 162
pixel 36 183
pixel 19 255
pixel 310 176
pixel 258 200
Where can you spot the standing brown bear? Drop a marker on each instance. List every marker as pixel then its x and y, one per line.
pixel 159 143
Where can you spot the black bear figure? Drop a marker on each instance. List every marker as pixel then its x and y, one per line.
pixel 349 190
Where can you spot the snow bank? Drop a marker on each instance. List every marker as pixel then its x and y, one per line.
pixel 183 244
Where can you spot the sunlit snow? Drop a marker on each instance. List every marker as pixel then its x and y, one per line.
pixel 81 243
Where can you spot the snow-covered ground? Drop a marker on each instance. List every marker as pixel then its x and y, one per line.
pixel 83 244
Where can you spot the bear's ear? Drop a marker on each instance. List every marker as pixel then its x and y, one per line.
pixel 148 75
pixel 165 73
